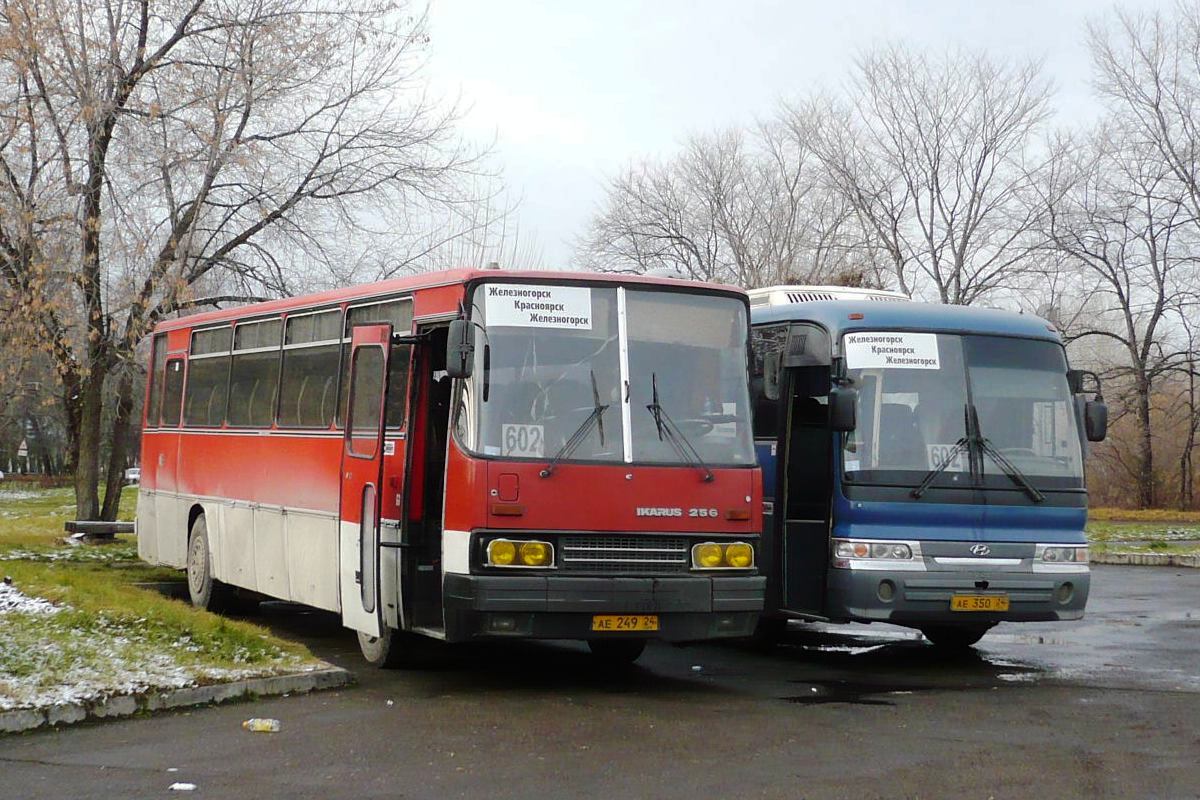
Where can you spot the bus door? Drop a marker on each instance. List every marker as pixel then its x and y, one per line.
pixel 362 470
pixel 806 484
pixel 426 488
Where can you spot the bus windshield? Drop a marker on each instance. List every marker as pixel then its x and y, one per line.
pixel 559 364
pixel 916 391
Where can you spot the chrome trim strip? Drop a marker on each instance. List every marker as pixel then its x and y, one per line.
pixel 980 562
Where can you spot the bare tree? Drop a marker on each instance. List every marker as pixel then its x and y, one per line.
pixel 1125 222
pixel 939 158
pixel 151 150
pixel 749 208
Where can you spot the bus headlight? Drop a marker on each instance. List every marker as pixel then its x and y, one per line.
pixel 711 555
pixel 739 555
pixel 501 553
pixel 534 554
pixel 509 553
pixel 859 554
pixel 1061 555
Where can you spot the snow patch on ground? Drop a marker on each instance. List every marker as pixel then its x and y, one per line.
pixel 9 495
pixel 12 600
pixel 50 655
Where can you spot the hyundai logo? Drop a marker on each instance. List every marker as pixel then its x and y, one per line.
pixel 980 549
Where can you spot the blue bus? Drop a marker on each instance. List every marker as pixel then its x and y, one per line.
pixel 922 464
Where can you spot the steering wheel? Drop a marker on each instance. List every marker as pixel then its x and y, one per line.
pixel 695 426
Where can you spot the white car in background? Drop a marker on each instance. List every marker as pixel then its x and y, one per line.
pixel 133 475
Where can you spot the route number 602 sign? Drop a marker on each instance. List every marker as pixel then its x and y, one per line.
pixel 522 441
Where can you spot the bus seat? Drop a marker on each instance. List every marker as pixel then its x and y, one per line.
pixel 900 442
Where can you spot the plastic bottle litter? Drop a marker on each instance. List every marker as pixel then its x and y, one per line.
pixel 182 787
pixel 262 725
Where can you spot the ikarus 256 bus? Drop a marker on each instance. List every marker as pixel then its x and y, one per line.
pixel 923 463
pixel 463 455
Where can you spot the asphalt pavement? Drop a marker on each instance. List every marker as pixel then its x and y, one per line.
pixel 1106 707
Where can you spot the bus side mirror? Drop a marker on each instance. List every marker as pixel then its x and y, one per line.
pixel 460 349
pixel 771 362
pixel 843 408
pixel 1095 420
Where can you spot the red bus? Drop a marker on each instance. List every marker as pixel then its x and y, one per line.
pixel 466 454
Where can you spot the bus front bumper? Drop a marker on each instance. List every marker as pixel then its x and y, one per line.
pixel 688 608
pixel 915 598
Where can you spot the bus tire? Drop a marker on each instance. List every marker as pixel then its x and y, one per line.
pixel 955 637
pixel 770 631
pixel 617 651
pixel 204 590
pixel 393 649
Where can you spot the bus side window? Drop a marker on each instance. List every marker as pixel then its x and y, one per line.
pixel 207 387
pixel 172 393
pixel 157 360
pixel 765 339
pixel 309 372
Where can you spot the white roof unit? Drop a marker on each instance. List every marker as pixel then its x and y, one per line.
pixel 786 295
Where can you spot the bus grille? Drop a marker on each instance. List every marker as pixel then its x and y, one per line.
pixel 624 554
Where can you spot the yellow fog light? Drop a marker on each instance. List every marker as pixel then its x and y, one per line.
pixel 535 554
pixel 739 555
pixel 501 552
pixel 707 555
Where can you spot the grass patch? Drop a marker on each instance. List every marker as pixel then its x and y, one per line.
pixel 107 635
pixel 35 517
pixel 1148 515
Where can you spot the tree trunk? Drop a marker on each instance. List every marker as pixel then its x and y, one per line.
pixel 1145 446
pixel 1187 477
pixel 87 462
pixel 119 443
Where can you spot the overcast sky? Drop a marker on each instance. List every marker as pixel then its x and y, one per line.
pixel 572 91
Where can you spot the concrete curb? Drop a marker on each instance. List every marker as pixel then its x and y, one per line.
pixel 1145 559
pixel 24 719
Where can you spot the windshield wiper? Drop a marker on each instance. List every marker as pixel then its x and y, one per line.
pixel 674 436
pixel 963 445
pixel 581 433
pixel 985 447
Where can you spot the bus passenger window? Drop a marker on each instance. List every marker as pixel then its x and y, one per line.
pixel 254 374
pixel 308 383
pixel 207 384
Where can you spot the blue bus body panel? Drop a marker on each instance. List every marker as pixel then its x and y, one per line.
pixel 957 522
pixel 767 460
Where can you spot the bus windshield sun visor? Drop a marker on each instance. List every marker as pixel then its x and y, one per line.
pixel 985 448
pixel 575 439
pixel 675 436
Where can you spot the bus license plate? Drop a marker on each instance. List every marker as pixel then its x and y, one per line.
pixel 625 622
pixel 979 602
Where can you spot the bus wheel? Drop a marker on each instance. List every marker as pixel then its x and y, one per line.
pixel 955 637
pixel 204 590
pixel 617 651
pixel 393 649
pixel 770 630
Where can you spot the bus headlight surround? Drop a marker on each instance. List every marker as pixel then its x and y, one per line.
pixel 526 553
pixel 893 551
pixel 715 555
